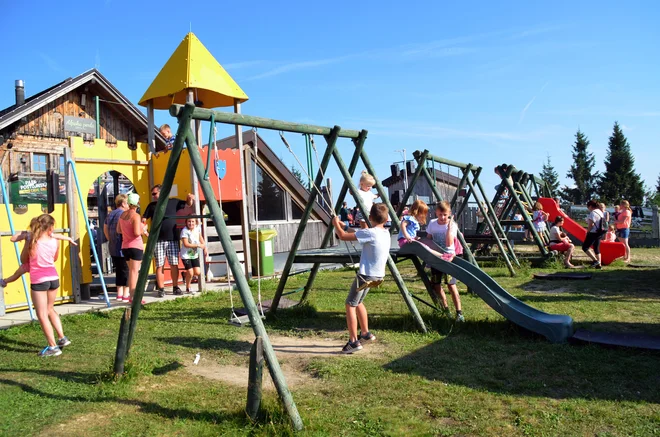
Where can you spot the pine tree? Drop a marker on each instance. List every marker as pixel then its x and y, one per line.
pixel 298 175
pixel 582 172
pixel 550 176
pixel 620 180
pixel 657 185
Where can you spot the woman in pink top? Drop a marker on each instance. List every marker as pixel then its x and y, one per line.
pixel 131 228
pixel 623 220
pixel 41 251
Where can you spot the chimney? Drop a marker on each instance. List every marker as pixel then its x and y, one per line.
pixel 20 92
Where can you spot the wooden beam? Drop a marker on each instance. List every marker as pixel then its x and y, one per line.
pixel 111 161
pixel 72 210
pixel 259 122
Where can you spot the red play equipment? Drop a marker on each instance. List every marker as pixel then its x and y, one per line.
pixel 609 251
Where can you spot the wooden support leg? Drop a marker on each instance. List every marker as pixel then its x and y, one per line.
pixel 255 379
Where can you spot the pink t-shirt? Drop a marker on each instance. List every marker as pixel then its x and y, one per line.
pixel 624 219
pixel 42 261
pixel 129 239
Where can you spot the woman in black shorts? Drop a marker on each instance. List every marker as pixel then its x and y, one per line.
pixel 131 228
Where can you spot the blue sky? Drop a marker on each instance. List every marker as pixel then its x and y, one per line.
pixel 480 82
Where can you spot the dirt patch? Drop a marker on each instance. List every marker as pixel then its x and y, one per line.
pixel 546 288
pixel 293 353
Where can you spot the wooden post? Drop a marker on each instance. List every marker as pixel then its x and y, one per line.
pixel 242 284
pixel 390 262
pixel 359 144
pixel 255 379
pixel 72 213
pixel 197 125
pixel 459 234
pixel 489 223
pixel 331 140
pixel 245 220
pixel 496 222
pixel 151 139
pixel 120 353
pixel 656 225
pixel 421 162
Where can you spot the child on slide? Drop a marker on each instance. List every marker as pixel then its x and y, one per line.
pixel 375 243
pixel 539 218
pixel 412 222
pixel 443 232
pixel 25 266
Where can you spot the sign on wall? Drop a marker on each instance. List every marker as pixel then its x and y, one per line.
pixel 33 189
pixel 79 125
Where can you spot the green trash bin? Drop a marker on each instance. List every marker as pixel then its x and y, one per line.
pixel 265 265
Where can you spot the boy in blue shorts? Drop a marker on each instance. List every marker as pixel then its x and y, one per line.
pixel 375 243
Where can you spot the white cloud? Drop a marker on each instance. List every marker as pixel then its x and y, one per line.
pixel 529 104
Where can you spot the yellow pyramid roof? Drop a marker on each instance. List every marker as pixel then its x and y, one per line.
pixel 192 66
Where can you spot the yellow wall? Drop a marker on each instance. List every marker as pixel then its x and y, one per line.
pixel 182 184
pixel 87 173
pixel 15 293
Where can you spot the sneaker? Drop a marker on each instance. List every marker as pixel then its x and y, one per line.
pixel 366 337
pixel 351 347
pixel 119 298
pixel 188 291
pixel 596 265
pixel 460 318
pixel 177 291
pixel 446 312
pixel 161 292
pixel 50 351
pixel 126 299
pixel 63 342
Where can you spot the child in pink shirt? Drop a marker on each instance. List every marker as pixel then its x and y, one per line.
pixel 611 234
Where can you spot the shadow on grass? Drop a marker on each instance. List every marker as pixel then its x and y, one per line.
pixel 208 343
pixel 7 344
pixel 145 407
pixel 608 284
pixel 75 377
pixel 489 356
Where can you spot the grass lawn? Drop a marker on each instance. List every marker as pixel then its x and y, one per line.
pixel 484 377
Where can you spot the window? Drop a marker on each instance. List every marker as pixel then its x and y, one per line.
pixel 270 197
pixel 296 211
pixel 62 165
pixel 39 162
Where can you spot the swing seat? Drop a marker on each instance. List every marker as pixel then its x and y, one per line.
pixel 239 319
pixel 370 284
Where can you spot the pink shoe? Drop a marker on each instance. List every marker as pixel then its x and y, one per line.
pixel 126 299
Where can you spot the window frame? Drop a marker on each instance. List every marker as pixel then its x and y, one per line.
pixel 34 155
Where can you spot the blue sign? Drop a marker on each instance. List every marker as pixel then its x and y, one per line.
pixel 220 168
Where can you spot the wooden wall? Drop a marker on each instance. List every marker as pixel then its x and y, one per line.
pixel 312 237
pixel 422 188
pixel 48 121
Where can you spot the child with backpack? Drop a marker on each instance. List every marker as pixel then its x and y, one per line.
pixel 595 223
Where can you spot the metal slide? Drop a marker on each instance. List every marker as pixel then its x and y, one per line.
pixel 555 327
pixel 609 251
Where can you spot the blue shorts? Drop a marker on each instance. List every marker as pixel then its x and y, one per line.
pixel 623 233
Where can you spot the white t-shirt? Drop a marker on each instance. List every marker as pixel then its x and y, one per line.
pixel 439 234
pixel 539 222
pixel 555 234
pixel 375 250
pixel 595 216
pixel 193 237
pixel 368 199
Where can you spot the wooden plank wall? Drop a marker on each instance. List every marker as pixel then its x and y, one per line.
pixel 422 188
pixel 48 121
pixel 312 237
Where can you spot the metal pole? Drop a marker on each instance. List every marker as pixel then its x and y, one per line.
pixel 5 199
pixel 98 117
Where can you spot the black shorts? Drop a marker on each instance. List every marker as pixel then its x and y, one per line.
pixel 46 285
pixel 121 271
pixel 133 254
pixel 190 263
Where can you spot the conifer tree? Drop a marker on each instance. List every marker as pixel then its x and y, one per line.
pixel 550 176
pixel 620 180
pixel 582 172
